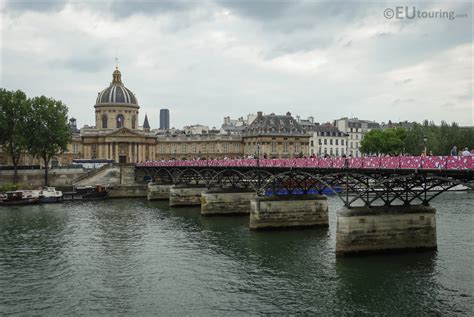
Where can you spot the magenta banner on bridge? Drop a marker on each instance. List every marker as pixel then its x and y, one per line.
pixel 401 162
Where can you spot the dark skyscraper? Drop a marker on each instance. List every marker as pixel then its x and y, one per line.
pixel 164 119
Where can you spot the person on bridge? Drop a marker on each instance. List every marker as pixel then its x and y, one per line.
pixel 466 152
pixel 454 151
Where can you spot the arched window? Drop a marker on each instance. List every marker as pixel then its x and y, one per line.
pixel 104 121
pixel 133 122
pixel 120 121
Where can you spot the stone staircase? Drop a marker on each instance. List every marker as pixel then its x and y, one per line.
pixel 106 175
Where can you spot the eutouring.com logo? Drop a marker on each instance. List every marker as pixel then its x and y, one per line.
pixel 413 13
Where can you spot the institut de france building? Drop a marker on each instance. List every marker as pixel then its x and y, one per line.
pixel 117 136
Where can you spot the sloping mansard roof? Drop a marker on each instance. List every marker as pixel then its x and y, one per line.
pixel 273 124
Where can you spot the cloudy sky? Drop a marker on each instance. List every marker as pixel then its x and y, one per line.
pixel 212 58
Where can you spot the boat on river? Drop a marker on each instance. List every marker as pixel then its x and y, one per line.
pixel 20 197
pixel 50 195
pixel 87 193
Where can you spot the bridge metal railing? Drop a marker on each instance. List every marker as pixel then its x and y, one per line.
pixel 400 162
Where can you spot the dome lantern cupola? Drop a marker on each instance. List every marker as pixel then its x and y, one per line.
pixel 116 77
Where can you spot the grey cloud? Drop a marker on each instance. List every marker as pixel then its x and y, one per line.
pixel 399 101
pixel 90 63
pixel 404 81
pixel 127 8
pixel 117 8
pixel 32 5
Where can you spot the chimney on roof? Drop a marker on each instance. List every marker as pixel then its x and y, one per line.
pixel 288 113
pixel 259 114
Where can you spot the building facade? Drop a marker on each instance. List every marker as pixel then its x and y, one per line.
pixel 326 139
pixel 206 146
pixel 275 136
pixel 356 129
pixel 116 135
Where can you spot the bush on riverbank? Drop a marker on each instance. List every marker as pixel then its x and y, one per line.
pixel 8 187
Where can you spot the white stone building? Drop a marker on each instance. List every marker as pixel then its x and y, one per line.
pixel 326 139
pixel 356 129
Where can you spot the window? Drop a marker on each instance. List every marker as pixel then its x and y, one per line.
pixel 94 151
pixel 285 147
pixel 204 147
pixel 183 148
pixel 337 151
pixel 325 141
pixel 104 121
pixel 320 142
pixel 225 147
pixel 330 141
pixel 74 148
pixel 194 148
pixel 337 141
pixel 274 146
pixel 134 119
pixel 312 143
pixel 342 142
pixel 120 120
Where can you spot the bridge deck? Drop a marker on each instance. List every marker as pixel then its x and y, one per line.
pixel 402 162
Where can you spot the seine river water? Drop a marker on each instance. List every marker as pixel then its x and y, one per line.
pixel 133 257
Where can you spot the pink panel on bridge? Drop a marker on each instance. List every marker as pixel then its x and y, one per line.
pixel 404 162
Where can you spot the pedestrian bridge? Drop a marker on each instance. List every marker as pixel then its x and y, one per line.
pixel 370 181
pixel 386 199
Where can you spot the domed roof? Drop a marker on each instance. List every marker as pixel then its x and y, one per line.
pixel 116 93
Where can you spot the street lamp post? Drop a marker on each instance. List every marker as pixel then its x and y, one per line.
pixel 425 140
pixel 259 179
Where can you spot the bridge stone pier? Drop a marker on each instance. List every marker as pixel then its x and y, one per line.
pixel 158 191
pixel 288 211
pixel 186 195
pixel 226 202
pixel 385 228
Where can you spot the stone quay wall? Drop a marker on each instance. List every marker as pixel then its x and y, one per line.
pixel 127 191
pixel 35 178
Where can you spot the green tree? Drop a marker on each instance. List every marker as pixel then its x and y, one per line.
pixel 14 109
pixel 390 141
pixel 50 133
pixel 372 142
pixel 439 139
